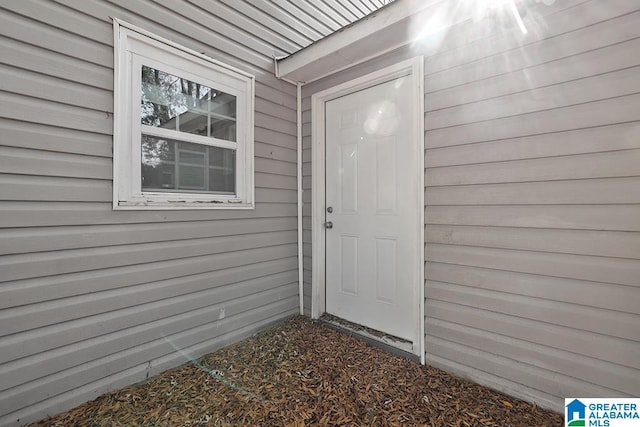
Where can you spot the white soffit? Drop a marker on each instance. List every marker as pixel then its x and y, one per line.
pixel 353 44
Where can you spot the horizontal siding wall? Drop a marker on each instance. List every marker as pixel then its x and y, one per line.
pixel 92 299
pixel 532 200
pixel 533 205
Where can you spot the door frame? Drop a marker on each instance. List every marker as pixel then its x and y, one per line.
pixel 414 68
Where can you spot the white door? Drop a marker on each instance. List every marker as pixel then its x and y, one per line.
pixel 372 256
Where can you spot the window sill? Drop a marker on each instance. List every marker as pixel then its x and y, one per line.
pixel 182 205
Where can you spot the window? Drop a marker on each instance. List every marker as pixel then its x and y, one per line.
pixel 183 131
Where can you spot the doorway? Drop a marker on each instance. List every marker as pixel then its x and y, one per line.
pixel 368 209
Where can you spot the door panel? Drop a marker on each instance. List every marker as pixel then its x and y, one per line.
pixel 349 264
pixel 348 178
pixel 372 187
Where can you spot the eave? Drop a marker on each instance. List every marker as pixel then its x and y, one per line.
pixel 392 25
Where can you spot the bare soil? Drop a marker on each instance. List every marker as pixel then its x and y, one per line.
pixel 301 373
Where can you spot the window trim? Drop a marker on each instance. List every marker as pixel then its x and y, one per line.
pixel 131 45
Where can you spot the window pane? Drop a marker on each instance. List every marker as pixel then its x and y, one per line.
pixel 222 169
pixel 223 107
pixel 175 166
pixel 190 156
pixel 222 181
pixel 156 150
pixel 159 177
pixel 172 102
pixel 191 177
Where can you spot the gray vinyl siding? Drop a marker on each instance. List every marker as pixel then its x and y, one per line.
pixel 532 216
pixel 93 299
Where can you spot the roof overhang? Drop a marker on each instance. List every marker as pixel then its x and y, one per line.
pixel 394 26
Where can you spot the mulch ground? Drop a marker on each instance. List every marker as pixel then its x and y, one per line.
pixel 303 373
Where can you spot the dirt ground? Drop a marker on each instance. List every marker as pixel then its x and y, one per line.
pixel 303 373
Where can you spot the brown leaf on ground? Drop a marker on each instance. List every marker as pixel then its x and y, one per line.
pixel 301 373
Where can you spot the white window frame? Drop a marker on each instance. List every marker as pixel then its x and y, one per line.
pixel 134 47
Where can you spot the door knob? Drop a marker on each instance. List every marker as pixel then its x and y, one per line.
pixel 328 224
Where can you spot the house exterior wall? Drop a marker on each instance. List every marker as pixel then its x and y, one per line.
pixel 532 200
pixel 92 299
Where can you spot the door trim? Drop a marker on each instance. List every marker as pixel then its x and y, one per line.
pixel 411 67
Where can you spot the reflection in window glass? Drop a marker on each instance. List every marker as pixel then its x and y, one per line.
pixel 171 165
pixel 191 177
pixel 179 104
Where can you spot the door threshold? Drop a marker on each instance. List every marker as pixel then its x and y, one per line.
pixel 391 344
